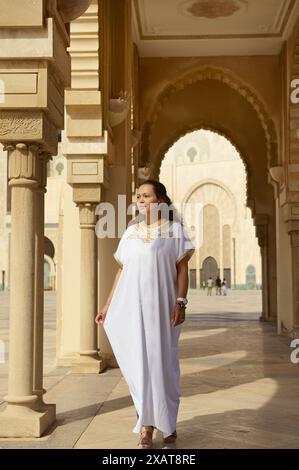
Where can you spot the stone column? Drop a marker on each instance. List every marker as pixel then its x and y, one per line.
pixel 38 333
pixel 85 145
pixel 290 211
pixel 261 233
pixel 21 417
pixel 106 247
pixel 293 230
pixel 89 361
pixel 35 70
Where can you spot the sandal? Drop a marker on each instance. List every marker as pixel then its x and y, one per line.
pixel 146 437
pixel 171 438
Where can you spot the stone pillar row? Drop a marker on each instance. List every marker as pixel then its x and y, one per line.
pixel 27 178
pixel 293 231
pixel 35 69
pixel 261 228
pixel 89 360
pixel 285 182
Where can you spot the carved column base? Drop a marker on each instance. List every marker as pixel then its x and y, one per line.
pixel 264 317
pixel 21 421
pixel 110 360
pixel 294 235
pixel 87 364
pixel 40 405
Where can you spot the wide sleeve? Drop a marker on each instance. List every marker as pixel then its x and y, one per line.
pixel 119 253
pixel 184 248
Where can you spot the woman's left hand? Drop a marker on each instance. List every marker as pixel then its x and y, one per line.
pixel 178 315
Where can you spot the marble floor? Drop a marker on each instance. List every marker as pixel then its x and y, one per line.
pixel 239 388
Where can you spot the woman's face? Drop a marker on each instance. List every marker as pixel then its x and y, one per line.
pixel 147 201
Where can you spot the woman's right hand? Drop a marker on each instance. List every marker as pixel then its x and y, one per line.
pixel 100 318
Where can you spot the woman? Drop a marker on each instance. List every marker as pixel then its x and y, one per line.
pixel 146 308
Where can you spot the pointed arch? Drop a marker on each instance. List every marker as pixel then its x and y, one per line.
pixel 225 77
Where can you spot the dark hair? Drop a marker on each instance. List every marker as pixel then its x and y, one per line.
pixel 161 193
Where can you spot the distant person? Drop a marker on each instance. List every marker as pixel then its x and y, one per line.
pixel 218 285
pixel 224 286
pixel 210 285
pixel 204 285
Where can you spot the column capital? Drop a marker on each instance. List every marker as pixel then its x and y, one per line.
pixel 294 235
pixel 261 234
pixel 27 162
pixel 23 164
pixel 261 230
pixel 43 159
pixel 290 211
pixel 87 214
pixel 292 227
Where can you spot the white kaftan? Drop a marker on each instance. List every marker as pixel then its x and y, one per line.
pixel 138 322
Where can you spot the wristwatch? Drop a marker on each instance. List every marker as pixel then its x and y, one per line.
pixel 182 300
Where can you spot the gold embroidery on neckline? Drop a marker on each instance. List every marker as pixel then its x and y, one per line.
pixel 149 234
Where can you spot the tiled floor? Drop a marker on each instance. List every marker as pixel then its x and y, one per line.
pixel 239 388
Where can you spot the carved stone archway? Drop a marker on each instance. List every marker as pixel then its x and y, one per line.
pixel 216 99
pixel 209 269
pixel 228 78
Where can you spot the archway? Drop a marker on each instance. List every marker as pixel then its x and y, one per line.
pixel 204 85
pixel 212 203
pixel 217 100
pixel 209 269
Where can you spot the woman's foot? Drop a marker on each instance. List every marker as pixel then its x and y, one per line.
pixel 146 437
pixel 171 438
